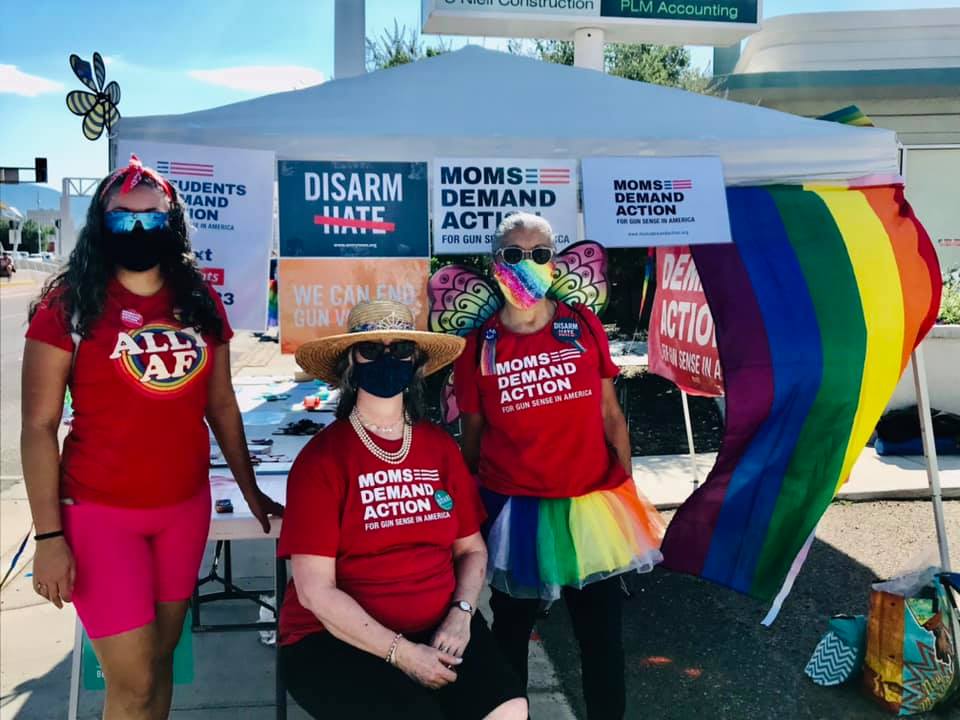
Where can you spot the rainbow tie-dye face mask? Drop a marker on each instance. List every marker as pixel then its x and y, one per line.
pixel 524 284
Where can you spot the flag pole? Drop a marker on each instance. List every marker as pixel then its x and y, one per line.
pixel 930 452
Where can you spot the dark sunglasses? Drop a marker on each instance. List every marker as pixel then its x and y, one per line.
pixel 401 349
pixel 514 255
pixel 124 221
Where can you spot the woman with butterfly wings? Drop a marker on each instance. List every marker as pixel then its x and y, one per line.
pixel 543 431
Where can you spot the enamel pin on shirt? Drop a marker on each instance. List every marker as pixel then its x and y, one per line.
pixel 567 330
pixel 131 318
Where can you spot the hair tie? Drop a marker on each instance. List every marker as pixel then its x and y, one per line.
pixel 133 173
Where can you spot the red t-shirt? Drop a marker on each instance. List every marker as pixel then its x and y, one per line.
pixel 139 388
pixel 391 528
pixel 543 434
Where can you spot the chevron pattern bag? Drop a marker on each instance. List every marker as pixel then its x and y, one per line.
pixel 911 664
pixel 839 656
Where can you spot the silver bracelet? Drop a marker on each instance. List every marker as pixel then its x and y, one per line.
pixel 391 654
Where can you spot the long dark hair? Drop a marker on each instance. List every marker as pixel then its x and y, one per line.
pixel 80 288
pixel 414 405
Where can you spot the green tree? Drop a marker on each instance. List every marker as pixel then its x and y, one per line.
pixel 659 64
pixel 30 236
pixel 399 47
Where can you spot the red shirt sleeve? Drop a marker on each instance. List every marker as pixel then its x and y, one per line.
pixel 467 506
pixel 315 496
pixel 465 377
pixel 227 333
pixel 49 325
pixel 608 369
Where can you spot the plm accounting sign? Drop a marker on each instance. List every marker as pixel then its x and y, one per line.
pixel 690 22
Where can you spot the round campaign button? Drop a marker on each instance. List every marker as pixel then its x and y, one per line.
pixel 490 334
pixel 443 500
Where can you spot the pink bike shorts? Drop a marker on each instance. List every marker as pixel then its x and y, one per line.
pixel 130 559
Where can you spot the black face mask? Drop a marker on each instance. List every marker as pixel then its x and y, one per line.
pixel 385 377
pixel 139 250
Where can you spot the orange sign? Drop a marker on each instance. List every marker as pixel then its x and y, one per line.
pixel 316 295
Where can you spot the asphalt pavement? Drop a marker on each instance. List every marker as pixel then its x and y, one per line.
pixel 15 300
pixel 697 651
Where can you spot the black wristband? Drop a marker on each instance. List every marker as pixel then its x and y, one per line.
pixel 48 536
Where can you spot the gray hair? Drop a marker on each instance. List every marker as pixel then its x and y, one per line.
pixel 522 221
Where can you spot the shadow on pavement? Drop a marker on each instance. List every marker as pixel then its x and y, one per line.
pixel 46 696
pixel 695 650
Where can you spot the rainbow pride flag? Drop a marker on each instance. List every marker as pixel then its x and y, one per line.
pixel 818 305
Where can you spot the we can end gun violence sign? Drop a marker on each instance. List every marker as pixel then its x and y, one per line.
pixel 353 209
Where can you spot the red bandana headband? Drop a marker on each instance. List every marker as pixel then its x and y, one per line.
pixel 134 173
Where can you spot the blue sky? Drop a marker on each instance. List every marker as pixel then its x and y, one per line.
pixel 180 56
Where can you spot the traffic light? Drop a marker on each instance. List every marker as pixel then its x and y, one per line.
pixel 40 169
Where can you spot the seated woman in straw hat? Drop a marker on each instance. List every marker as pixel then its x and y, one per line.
pixel 382 526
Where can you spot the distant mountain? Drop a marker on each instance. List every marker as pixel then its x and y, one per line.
pixel 28 196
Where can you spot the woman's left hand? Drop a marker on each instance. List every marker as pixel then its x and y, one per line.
pixel 453 635
pixel 263 506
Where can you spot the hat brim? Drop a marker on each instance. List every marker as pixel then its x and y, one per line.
pixel 319 357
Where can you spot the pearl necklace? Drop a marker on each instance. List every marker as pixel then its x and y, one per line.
pixel 379 429
pixel 391 458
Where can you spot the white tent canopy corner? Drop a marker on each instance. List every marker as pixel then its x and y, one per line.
pixel 483 103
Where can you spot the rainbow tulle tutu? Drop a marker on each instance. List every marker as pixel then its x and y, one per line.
pixel 539 545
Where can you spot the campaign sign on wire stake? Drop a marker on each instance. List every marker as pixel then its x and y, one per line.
pixel 471 196
pixel 353 209
pixel 647 202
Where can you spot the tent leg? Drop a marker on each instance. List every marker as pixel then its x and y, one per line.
pixel 693 455
pixel 930 452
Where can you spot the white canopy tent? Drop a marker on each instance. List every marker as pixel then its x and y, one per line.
pixel 481 103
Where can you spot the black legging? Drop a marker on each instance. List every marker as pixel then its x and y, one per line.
pixel 596 613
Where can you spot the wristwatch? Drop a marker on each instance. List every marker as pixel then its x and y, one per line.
pixel 462 605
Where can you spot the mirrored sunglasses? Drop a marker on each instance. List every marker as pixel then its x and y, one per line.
pixel 120 221
pixel 401 349
pixel 514 255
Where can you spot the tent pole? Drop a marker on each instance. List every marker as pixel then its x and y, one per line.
pixel 930 452
pixel 588 48
pixel 693 455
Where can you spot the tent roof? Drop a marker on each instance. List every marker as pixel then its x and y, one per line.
pixel 481 103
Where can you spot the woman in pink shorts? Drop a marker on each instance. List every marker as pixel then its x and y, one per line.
pixel 122 516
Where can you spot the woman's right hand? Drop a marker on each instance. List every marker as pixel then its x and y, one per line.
pixel 54 571
pixel 428 666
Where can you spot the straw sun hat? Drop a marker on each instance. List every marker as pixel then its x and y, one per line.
pixel 373 321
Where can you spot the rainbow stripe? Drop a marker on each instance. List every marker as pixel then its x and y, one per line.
pixel 818 306
pixel 525 283
pixel 537 546
pixel 850 115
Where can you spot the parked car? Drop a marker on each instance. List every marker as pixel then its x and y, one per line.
pixel 35 256
pixel 7 268
pixel 48 256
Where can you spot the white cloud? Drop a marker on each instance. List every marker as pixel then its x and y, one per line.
pixel 13 80
pixel 261 78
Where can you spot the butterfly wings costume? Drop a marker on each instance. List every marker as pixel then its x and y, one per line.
pixel 538 545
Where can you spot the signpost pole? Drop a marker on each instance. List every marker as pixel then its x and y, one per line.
pixel 588 48
pixel 689 426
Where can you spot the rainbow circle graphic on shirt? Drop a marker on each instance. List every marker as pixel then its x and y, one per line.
pixel 165 364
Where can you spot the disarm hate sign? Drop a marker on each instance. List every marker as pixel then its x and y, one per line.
pixel 353 209
pixel 472 195
pixel 647 202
